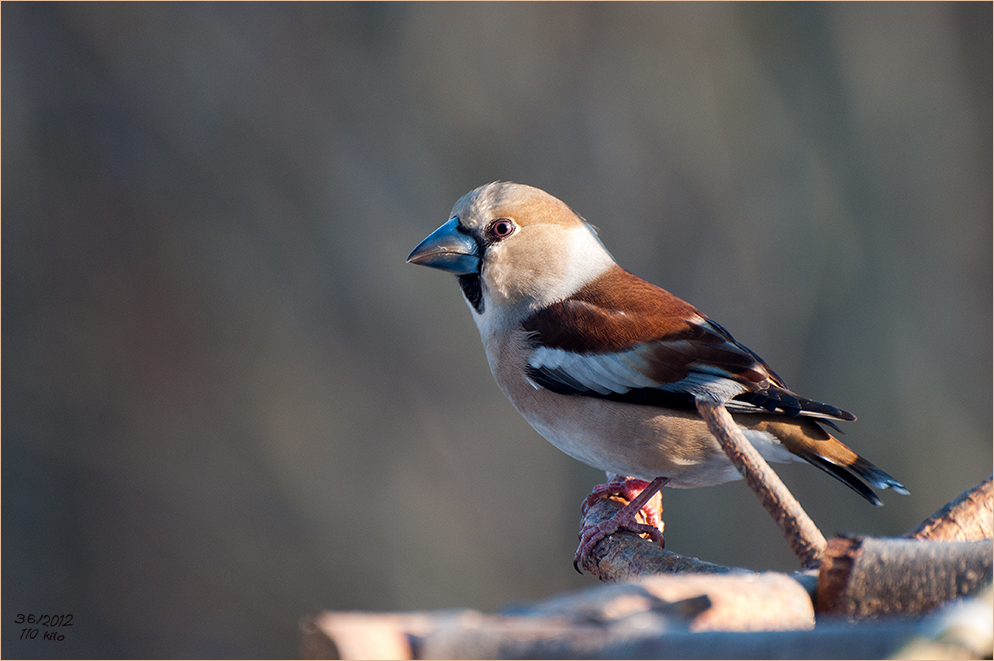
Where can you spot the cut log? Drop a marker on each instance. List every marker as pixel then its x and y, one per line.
pixel 969 518
pixel 867 577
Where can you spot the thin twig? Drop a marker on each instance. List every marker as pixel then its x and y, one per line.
pixel 804 537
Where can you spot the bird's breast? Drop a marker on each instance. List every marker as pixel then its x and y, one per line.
pixel 628 439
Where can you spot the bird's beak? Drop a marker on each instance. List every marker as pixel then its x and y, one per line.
pixel 449 249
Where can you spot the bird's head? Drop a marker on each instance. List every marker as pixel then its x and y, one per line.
pixel 514 247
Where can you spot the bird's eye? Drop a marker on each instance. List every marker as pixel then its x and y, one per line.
pixel 501 228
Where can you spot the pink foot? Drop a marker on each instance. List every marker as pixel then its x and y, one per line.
pixel 590 536
pixel 628 489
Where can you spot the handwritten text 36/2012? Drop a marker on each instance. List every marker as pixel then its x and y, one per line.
pixel 43 621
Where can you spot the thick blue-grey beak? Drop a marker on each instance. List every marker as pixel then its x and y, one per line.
pixel 448 249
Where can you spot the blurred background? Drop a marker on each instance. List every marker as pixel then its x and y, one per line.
pixel 229 403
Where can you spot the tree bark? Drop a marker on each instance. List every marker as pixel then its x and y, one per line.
pixel 628 628
pixel 718 611
pixel 969 518
pixel 625 555
pixel 714 611
pixel 867 577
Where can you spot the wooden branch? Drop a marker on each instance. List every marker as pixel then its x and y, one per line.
pixel 768 601
pixel 356 635
pixel 626 555
pixel 969 518
pixel 803 535
pixel 868 577
pixel 584 623
pixel 630 621
pixel 492 638
pixel 712 614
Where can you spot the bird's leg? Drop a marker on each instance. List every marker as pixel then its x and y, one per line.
pixel 624 519
pixel 627 488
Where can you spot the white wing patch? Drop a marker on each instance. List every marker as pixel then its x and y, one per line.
pixel 602 373
pixel 623 371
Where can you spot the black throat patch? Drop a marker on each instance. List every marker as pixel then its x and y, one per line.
pixel 472 289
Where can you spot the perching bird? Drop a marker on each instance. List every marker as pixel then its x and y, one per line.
pixel 607 366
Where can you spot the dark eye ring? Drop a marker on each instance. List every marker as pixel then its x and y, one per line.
pixel 501 228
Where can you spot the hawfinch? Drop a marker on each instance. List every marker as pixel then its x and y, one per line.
pixel 606 366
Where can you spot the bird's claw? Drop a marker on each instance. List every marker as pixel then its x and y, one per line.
pixel 632 490
pixel 591 536
pixel 629 489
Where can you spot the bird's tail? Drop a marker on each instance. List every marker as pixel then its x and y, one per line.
pixel 804 438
